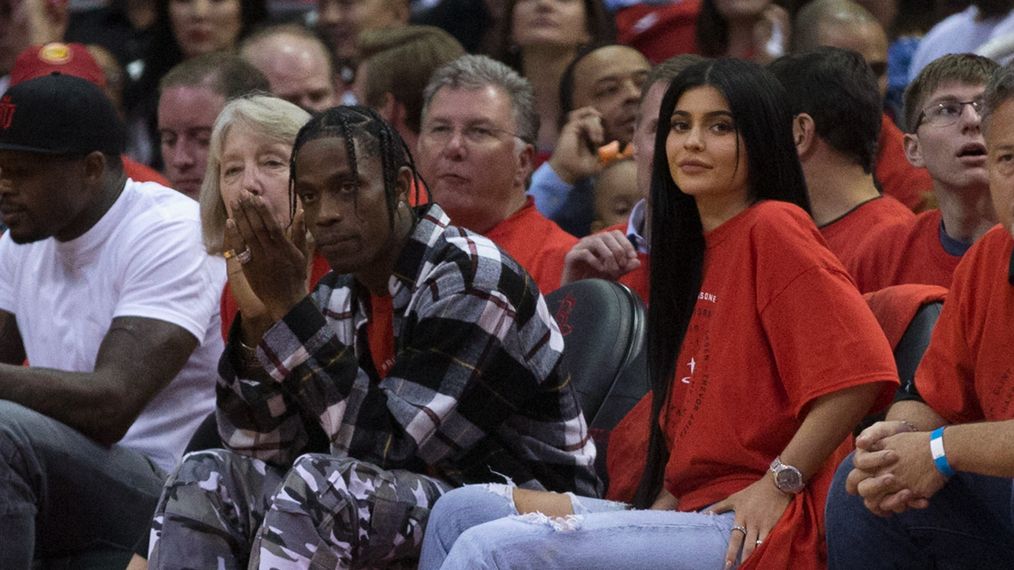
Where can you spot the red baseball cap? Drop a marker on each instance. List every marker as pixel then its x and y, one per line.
pixel 67 59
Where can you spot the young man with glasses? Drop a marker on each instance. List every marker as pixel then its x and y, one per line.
pixel 942 111
pixel 475 152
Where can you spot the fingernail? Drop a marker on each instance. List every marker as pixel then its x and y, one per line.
pixel 728 563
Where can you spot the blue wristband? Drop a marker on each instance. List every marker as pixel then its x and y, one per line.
pixel 939 456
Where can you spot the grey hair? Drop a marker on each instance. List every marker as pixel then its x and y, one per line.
pixel 275 119
pixel 999 90
pixel 477 71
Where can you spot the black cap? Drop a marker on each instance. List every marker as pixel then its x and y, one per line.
pixel 59 114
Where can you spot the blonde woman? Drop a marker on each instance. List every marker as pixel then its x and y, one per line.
pixel 249 155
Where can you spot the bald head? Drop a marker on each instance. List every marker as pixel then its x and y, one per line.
pixel 296 63
pixel 843 24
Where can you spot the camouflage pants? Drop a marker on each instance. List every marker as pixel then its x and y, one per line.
pixel 222 510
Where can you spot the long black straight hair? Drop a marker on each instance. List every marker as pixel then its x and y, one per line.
pixel 763 123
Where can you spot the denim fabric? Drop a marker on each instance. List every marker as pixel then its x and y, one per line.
pixel 64 496
pixel 458 511
pixel 478 527
pixel 967 525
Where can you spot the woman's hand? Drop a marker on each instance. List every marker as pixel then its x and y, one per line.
pixel 250 307
pixel 273 264
pixel 758 508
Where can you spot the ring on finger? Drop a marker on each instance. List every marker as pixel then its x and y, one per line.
pixel 759 542
pixel 244 256
pixel 229 254
pixel 740 528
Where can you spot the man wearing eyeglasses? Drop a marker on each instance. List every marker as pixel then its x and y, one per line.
pixel 942 110
pixel 475 152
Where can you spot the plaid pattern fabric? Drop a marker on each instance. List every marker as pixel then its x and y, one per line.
pixel 474 392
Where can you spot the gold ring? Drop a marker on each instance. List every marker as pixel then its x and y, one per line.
pixel 229 254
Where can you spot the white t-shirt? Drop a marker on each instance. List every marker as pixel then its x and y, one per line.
pixel 958 33
pixel 144 258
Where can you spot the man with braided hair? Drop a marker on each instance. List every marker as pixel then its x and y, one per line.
pixel 427 356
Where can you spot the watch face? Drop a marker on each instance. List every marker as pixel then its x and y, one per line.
pixel 788 479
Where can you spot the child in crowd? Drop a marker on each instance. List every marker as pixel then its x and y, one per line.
pixel 942 111
pixel 615 193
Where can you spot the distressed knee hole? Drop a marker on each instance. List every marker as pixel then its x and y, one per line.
pixel 569 523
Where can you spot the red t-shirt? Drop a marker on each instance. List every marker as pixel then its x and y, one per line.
pixel 967 370
pixel 380 333
pixel 905 252
pixel 229 307
pixel 897 177
pixel 778 323
pixel 536 243
pixel 141 173
pixel 844 234
pixel 659 31
pixel 897 305
pixel 417 195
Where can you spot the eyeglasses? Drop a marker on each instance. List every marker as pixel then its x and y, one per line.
pixel 947 113
pixel 478 135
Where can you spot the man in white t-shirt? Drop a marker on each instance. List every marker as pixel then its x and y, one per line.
pixel 106 290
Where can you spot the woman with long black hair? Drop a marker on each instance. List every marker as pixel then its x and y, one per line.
pixel 762 357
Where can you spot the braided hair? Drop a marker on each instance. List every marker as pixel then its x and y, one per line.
pixel 355 123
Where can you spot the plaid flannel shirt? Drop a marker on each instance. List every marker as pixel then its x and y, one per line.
pixel 474 391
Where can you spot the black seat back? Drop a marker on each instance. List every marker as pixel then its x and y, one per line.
pixel 908 354
pixel 914 342
pixel 603 327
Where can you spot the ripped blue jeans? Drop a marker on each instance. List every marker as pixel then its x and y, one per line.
pixel 478 527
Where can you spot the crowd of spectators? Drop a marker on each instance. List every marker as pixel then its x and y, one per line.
pixel 273 280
